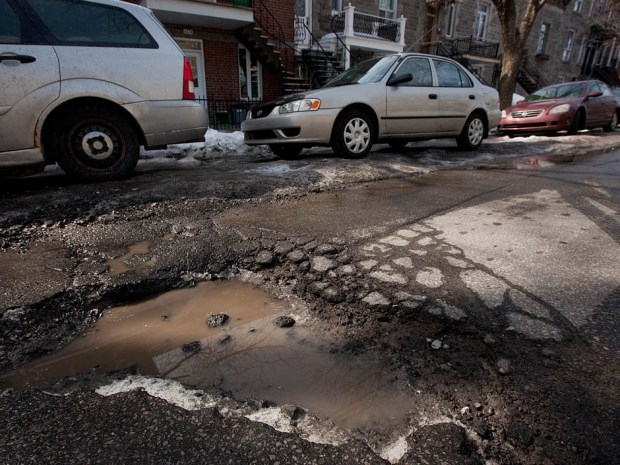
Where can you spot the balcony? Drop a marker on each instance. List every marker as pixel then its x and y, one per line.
pixel 220 14
pixel 368 32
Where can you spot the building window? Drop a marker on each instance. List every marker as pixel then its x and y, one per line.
pixel 387 9
pixel 542 39
pixel 578 6
pixel 451 20
pixel 336 5
pixel 568 47
pixel 482 19
pixel 250 76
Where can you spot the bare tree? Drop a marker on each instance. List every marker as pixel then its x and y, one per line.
pixel 516 28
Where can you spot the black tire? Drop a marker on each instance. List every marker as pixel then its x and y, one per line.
pixel 612 124
pixel 353 134
pixel 286 151
pixel 472 134
pixel 95 143
pixel 577 123
pixel 398 144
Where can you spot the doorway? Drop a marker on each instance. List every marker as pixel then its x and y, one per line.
pixel 192 48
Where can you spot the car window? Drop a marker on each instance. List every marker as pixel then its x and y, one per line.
pixel 420 69
pixel 594 87
pixel 9 25
pixel 77 22
pixel 365 72
pixel 561 91
pixel 605 89
pixel 449 75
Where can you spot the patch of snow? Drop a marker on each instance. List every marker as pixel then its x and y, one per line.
pixel 171 391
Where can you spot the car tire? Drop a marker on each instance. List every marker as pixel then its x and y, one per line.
pixel 286 151
pixel 577 123
pixel 398 144
pixel 612 124
pixel 95 143
pixel 353 134
pixel 472 134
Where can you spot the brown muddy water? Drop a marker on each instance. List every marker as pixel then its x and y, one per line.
pixel 249 356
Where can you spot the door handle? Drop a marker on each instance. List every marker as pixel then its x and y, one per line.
pixel 472 97
pixel 432 96
pixel 20 58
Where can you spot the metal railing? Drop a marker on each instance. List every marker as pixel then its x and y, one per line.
pixel 227 114
pixel 475 47
pixel 367 26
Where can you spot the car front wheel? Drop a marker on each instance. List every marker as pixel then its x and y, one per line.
pixel 613 123
pixel 472 134
pixel 95 143
pixel 353 134
pixel 286 151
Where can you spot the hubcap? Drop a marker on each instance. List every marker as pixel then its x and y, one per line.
pixel 357 135
pixel 97 145
pixel 476 131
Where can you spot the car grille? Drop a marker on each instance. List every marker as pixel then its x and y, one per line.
pixel 526 113
pixel 262 110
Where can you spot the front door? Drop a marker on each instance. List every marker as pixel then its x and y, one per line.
pixel 192 49
pixel 412 107
pixel 303 22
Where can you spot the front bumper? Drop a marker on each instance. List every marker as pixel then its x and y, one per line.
pixel 548 124
pixel 307 128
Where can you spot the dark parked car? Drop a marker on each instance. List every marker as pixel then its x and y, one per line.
pixel 569 107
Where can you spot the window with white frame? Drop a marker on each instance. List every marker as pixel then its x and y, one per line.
pixel 250 76
pixel 482 20
pixel 578 6
pixel 451 20
pixel 336 5
pixel 543 36
pixel 387 9
pixel 568 46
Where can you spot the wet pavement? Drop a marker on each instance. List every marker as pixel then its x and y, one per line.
pixel 488 298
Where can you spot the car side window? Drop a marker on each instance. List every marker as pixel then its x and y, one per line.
pixel 82 23
pixel 605 90
pixel 420 69
pixel 594 87
pixel 10 31
pixel 449 75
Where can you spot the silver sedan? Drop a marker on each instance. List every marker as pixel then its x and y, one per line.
pixel 394 99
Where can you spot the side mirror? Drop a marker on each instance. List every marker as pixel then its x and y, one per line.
pixel 596 93
pixel 399 79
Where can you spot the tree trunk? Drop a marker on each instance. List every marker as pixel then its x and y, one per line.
pixel 513 55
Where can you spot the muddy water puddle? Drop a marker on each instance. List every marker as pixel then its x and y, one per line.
pixel 249 356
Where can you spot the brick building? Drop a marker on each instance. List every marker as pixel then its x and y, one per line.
pixel 243 51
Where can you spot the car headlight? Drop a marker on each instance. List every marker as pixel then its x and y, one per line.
pixel 306 104
pixel 503 113
pixel 560 109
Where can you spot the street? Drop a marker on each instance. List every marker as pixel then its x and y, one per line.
pixel 482 291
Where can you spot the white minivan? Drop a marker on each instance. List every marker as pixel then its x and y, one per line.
pixel 85 83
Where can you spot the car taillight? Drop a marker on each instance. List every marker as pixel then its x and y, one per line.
pixel 188 81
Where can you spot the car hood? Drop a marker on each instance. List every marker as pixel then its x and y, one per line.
pixel 541 104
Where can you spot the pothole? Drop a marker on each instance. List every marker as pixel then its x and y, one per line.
pixel 248 356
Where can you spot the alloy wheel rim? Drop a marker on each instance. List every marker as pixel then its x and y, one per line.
pixel 357 135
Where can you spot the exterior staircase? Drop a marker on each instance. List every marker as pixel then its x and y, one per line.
pixel 265 39
pixel 529 78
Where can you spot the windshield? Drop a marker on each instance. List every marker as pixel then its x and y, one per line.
pixel 562 91
pixel 367 71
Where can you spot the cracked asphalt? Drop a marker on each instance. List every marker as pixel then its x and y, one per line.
pixel 493 295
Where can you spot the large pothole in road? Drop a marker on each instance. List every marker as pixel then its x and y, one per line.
pixel 184 335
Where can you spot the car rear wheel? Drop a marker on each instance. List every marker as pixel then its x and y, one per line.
pixel 612 124
pixel 95 143
pixel 353 134
pixel 286 151
pixel 472 134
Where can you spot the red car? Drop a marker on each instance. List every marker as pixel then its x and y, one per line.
pixel 569 107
